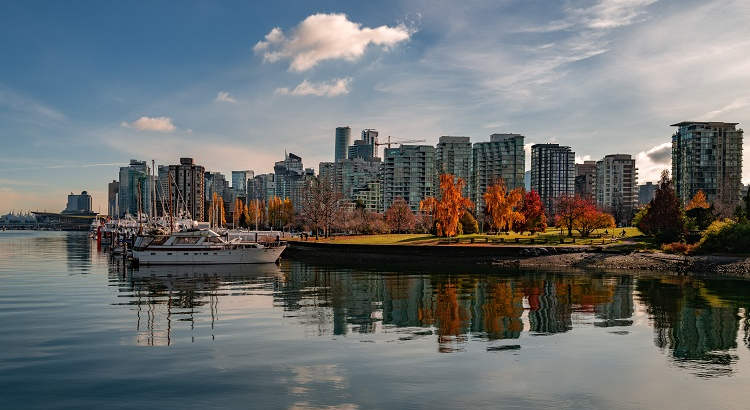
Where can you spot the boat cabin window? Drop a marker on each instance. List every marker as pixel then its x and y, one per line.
pixel 186 240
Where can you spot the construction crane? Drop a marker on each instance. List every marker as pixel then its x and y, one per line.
pixel 388 144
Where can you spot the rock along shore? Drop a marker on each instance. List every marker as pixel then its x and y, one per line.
pixel 521 257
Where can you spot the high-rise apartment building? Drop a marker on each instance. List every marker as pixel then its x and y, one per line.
pixel 188 189
pixel 453 156
pixel 408 173
pixel 350 175
pixel 288 173
pixel 616 186
pixel 585 179
pixel 342 142
pixel 501 158
pixel 263 187
pixel 552 173
pixel 707 156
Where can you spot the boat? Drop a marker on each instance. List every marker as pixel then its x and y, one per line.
pixel 202 247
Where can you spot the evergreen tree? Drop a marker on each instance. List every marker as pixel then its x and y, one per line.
pixel 664 218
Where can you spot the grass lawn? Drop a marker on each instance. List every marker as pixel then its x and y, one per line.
pixel 551 236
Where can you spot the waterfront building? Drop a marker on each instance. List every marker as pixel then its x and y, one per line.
pixel 342 142
pixel 707 156
pixel 409 173
pixel 78 203
pixel 371 196
pixel 615 188
pixel 113 188
pixel 552 173
pixel 503 158
pixel 350 175
pixel 240 182
pixel 134 189
pixel 585 179
pixel 188 188
pixel 453 155
pixel 646 193
pixel 527 180
pixel 263 188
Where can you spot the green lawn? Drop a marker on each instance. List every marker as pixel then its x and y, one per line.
pixel 550 236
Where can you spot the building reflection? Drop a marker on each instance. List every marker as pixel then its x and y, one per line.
pixel 698 328
pixel 455 307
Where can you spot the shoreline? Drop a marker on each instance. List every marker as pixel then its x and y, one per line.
pixel 522 257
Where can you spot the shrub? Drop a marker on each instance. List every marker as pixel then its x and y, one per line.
pixel 469 224
pixel 676 247
pixel 725 236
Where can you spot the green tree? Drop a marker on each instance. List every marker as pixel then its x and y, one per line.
pixel 469 224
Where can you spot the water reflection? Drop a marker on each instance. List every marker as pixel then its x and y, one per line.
pixel 695 322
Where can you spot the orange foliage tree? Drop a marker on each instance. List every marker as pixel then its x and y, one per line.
pixel 698 201
pixel 533 213
pixel 448 209
pixel 590 218
pixel 503 208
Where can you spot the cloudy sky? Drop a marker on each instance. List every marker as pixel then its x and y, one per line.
pixel 85 86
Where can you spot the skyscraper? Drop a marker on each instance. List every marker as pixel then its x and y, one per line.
pixel 263 187
pixel 365 148
pixel 616 186
pixel 78 204
pixel 585 178
pixel 707 156
pixel 646 193
pixel 503 158
pixel 453 156
pixel 188 188
pixel 134 189
pixel 552 173
pixel 408 173
pixel 113 189
pixel 343 140
pixel 239 182
pixel 350 175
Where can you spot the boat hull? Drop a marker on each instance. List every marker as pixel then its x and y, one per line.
pixel 208 257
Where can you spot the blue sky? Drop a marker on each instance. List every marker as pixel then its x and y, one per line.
pixel 85 86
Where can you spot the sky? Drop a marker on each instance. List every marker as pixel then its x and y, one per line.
pixel 86 86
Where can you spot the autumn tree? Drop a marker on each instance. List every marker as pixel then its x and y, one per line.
pixel 255 211
pixel 447 210
pixel 239 207
pixel 275 205
pixel 590 218
pixel 699 212
pixel 399 216
pixel 217 214
pixel 664 218
pixel 503 207
pixel 569 208
pixel 320 204
pixel 533 214
pixel 469 224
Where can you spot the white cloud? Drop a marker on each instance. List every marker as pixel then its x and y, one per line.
pixel 580 159
pixel 223 96
pixel 653 161
pixel 337 86
pixel 605 14
pixel 322 37
pixel 159 124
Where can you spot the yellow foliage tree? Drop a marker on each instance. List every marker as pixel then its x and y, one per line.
pixel 503 209
pixel 447 211
pixel 698 201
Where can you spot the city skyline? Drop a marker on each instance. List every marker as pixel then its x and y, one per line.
pixel 235 86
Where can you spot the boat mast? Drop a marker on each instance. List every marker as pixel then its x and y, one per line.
pixel 171 223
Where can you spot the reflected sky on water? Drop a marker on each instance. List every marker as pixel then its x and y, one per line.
pixel 81 330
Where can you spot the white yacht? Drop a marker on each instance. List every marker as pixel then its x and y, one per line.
pixel 202 247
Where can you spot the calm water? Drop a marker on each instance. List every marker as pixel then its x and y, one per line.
pixel 81 332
